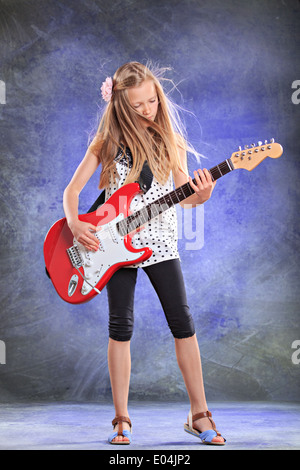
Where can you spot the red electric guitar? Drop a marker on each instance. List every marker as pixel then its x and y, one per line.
pixel 79 274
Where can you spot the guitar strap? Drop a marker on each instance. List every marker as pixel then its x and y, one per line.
pixel 145 178
pixel 145 181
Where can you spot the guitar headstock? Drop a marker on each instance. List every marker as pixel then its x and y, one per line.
pixel 253 155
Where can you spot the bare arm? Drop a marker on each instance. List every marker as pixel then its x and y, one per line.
pixel 82 231
pixel 204 187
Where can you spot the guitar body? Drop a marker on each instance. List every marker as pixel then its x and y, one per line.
pixel 79 274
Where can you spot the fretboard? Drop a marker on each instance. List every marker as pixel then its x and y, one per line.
pixel 144 215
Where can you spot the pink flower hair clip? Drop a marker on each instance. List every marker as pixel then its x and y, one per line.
pixel 106 89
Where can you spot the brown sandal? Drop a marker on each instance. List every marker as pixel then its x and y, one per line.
pixel 121 432
pixel 205 436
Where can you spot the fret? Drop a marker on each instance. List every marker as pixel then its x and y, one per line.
pixel 131 227
pixel 144 215
pixel 221 169
pixel 174 197
pixel 177 192
pixel 147 213
pixel 155 207
pixel 216 172
pixel 183 192
pixel 187 190
pixel 141 218
pixel 148 210
pixel 229 167
pixel 168 200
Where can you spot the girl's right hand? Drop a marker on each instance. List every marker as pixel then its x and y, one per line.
pixel 83 232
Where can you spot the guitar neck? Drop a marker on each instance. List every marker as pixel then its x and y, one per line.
pixel 144 215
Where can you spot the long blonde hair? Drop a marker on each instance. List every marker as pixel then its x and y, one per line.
pixel 121 124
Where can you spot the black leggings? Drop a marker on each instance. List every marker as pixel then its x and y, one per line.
pixel 167 280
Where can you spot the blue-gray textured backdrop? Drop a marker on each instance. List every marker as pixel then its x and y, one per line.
pixel 234 63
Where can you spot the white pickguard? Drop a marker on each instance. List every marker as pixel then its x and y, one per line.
pixel 111 251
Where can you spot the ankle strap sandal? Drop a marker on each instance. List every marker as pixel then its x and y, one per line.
pixel 121 432
pixel 205 436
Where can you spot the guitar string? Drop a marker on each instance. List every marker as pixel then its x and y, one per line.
pixel 135 220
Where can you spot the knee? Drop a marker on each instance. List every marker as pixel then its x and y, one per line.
pixel 181 323
pixel 121 324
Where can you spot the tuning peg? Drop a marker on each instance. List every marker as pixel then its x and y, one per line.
pixel 240 148
pixel 246 147
pixel 266 142
pixel 259 143
pixel 252 145
pixel 272 141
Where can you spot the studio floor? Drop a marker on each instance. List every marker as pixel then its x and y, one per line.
pixel 85 426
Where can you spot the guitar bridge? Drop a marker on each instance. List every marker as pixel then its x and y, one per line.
pixel 75 256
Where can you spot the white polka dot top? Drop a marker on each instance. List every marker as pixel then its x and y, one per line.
pixel 160 233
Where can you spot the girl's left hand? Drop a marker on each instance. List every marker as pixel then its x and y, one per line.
pixel 204 185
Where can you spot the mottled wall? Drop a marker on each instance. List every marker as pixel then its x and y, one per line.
pixel 234 63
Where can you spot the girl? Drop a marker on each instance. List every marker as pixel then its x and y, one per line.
pixel 138 125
